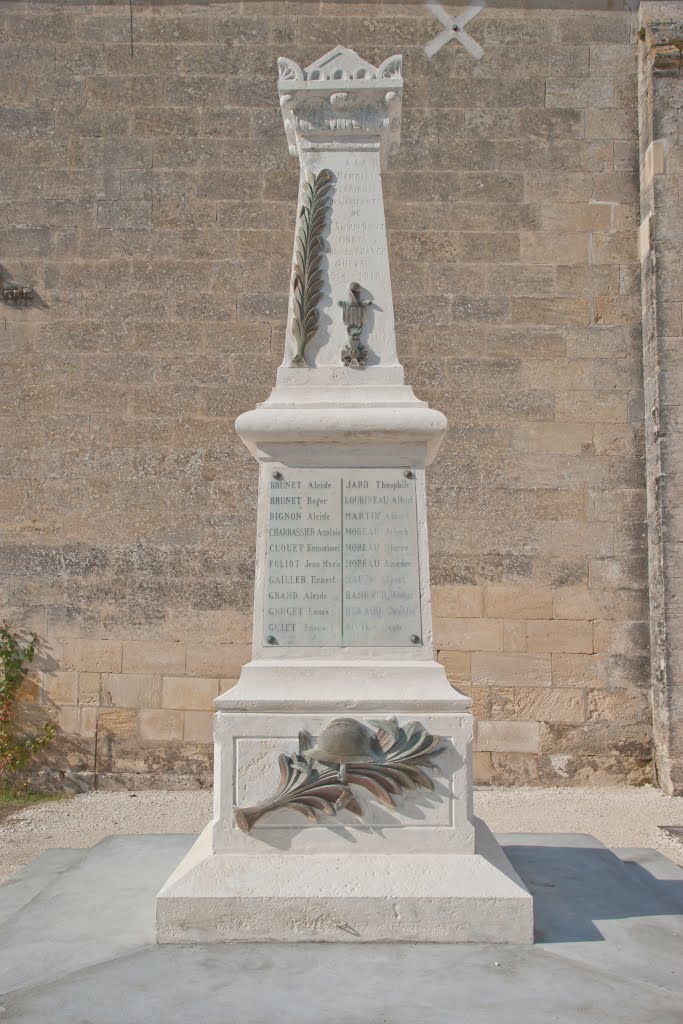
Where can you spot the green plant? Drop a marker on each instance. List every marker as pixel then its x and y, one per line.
pixel 16 751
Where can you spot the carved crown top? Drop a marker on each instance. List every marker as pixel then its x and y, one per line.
pixel 340 65
pixel 340 94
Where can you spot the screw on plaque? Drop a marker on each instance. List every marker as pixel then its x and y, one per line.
pixel 415 639
pixel 277 475
pixel 271 640
pixel 408 473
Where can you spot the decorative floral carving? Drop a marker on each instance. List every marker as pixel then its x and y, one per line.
pixel 391 67
pixel 325 114
pixel 404 763
pixel 307 283
pixel 340 100
pixel 340 65
pixel 289 70
pixel 341 83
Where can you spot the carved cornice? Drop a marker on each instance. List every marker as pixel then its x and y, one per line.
pixel 341 95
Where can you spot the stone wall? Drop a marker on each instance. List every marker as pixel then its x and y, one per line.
pixel 661 253
pixel 147 196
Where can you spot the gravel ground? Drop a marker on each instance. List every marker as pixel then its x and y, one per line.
pixel 618 817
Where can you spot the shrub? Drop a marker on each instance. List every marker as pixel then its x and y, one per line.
pixel 16 750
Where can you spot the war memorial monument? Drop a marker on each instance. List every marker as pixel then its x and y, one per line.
pixel 343 785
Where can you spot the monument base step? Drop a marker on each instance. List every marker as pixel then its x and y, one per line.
pixel 276 897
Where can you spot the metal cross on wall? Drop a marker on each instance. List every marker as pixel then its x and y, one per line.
pixel 454 29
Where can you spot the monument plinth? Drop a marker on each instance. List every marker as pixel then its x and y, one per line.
pixel 343 793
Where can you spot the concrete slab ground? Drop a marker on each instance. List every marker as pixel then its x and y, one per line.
pixel 77 947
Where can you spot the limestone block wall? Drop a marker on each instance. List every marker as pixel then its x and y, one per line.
pixel 147 196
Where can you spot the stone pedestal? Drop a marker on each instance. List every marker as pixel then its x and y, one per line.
pixel 299 849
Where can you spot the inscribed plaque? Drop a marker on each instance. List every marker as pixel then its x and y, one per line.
pixel 342 565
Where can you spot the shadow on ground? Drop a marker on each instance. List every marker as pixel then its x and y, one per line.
pixel 575 887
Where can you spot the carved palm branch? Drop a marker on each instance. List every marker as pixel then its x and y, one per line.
pixel 406 754
pixel 302 788
pixel 308 277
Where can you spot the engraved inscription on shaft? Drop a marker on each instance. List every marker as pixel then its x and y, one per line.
pixel 342 566
pixel 358 223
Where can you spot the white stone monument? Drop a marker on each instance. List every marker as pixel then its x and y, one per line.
pixel 343 792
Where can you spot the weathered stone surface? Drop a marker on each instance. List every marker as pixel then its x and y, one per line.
pixel 189 694
pixel 198 727
pixel 60 688
pixel 131 691
pixel 121 723
pixel 594 770
pixel 560 636
pixel 216 659
pixel 89 688
pixel 519 602
pixel 550 705
pixel 511 669
pixel 456 664
pixel 468 634
pixel 150 656
pixel 161 725
pixel 508 737
pixel 514 635
pixel 93 655
pixel 458 601
pixel 579 670
pixel 600 737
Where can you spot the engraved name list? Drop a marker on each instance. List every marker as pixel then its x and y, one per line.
pixel 342 562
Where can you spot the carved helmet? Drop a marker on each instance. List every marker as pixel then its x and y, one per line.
pixel 345 741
